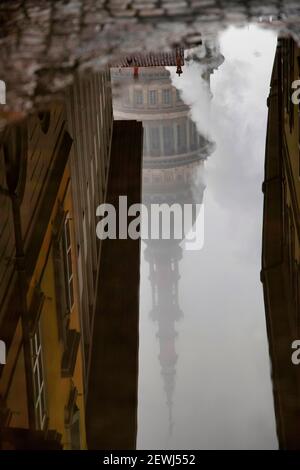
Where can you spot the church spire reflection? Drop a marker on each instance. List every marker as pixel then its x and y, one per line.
pixel 173 158
pixel 163 259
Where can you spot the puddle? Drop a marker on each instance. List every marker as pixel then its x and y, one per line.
pixel 213 311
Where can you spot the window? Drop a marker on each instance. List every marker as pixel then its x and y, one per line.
pixel 181 137
pixel 154 141
pixel 166 96
pixel 168 137
pixel 68 264
pixel 62 253
pixel 70 353
pixel 75 430
pixel 38 378
pixel 152 97
pixel 138 97
pixel 145 146
pixel 72 419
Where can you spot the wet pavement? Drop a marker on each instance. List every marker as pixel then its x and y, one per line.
pixel 42 44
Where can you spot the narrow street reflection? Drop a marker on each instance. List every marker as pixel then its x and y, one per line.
pixel 118 343
pixel 173 157
pixel 192 302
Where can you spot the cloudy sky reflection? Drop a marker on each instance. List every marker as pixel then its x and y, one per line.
pixel 222 395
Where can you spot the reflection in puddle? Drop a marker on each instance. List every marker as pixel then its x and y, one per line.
pixel 173 159
pixel 280 249
pixel 119 344
pixel 201 313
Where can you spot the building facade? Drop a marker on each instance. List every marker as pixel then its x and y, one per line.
pixel 90 122
pixel 39 307
pixel 281 241
pixel 111 405
pixel 53 174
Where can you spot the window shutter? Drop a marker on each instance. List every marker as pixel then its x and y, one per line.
pixel 71 406
pixel 60 276
pixel 35 309
pixel 70 353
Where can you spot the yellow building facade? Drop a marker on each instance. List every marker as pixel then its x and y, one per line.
pixel 57 337
pixel 41 383
pixel 281 241
pixel 53 174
